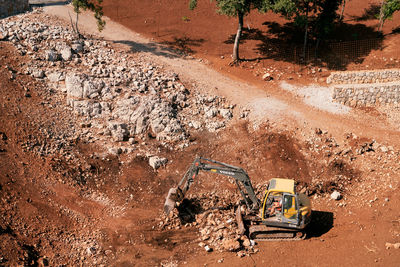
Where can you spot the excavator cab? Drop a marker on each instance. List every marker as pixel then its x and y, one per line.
pixel 282 206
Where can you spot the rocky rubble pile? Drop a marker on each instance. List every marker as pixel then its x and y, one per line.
pixel 213 214
pixel 118 96
pixel 347 165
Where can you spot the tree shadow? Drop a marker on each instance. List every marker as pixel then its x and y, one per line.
pixel 396 30
pixel 352 44
pixel 347 43
pixel 369 13
pixel 184 44
pixel 321 223
pixel 153 48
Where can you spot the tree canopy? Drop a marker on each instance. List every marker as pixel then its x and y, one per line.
pixel 387 10
pixel 318 14
pixel 232 7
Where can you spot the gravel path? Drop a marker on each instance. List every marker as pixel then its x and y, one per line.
pixel 317 96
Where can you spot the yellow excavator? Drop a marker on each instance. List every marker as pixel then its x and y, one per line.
pixel 283 213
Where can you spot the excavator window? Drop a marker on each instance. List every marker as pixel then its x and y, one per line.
pixel 289 206
pixel 273 205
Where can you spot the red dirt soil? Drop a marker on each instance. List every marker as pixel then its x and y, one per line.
pixel 92 211
pixel 49 216
pixel 207 35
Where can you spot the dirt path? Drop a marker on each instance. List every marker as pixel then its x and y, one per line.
pixel 267 101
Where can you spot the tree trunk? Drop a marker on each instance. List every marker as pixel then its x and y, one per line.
pixel 305 35
pixel 381 20
pixel 76 24
pixel 316 49
pixel 342 13
pixel 237 38
pixel 72 23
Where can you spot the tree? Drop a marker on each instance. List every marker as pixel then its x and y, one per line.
pixel 388 8
pixel 326 16
pixel 317 15
pixel 239 9
pixel 88 5
pixel 299 10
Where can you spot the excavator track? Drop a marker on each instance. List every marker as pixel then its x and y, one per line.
pixel 266 233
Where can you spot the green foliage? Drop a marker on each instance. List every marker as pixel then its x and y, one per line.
pixel 389 7
pixel 92 6
pixel 286 8
pixel 192 4
pixel 326 17
pixel 300 21
pixel 319 15
pixel 233 7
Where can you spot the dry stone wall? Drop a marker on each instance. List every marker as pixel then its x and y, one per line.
pixel 366 88
pixel 10 7
pixel 370 76
pixel 366 95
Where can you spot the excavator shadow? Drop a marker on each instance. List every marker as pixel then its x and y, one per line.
pixel 188 210
pixel 321 223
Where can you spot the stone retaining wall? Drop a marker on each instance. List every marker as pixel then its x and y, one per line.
pixel 362 77
pixel 367 95
pixel 366 88
pixel 10 7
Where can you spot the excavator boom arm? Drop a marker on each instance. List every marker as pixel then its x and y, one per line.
pixel 240 176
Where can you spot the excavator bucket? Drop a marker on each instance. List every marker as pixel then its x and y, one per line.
pixel 174 195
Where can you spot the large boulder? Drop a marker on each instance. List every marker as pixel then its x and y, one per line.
pixel 140 117
pixel 74 85
pixel 51 55
pixel 77 47
pixel 91 89
pixel 86 107
pixel 156 162
pixel 56 76
pixel 38 73
pixel 226 114
pixel 336 195
pixel 211 112
pixel 119 132
pixel 66 53
pixel 231 245
pixel 8 8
